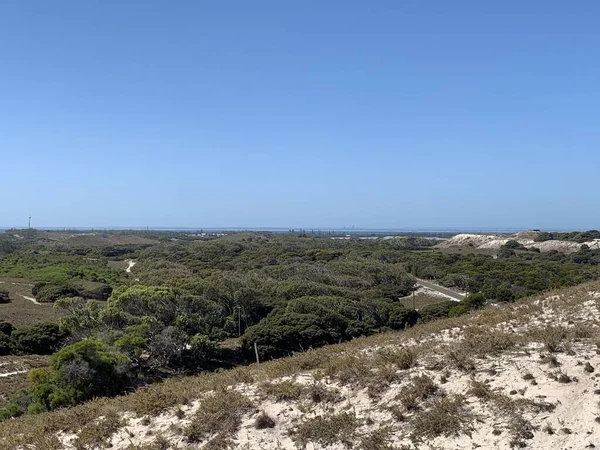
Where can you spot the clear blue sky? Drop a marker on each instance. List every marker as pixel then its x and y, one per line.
pixel 300 113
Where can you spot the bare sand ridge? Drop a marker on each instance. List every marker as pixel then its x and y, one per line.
pixel 492 241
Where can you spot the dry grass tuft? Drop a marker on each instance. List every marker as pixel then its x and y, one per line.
pixel 447 416
pixel 402 358
pixel 219 413
pixel 263 420
pixel 97 433
pixel 380 379
pixel 554 338
pixel 284 390
pixel 420 388
pixel 380 439
pixel 480 390
pixel 319 393
pixel 327 430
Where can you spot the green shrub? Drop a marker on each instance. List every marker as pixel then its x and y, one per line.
pixel 6 328
pixel 401 317
pixel 310 322
pixel 436 311
pixel 49 293
pixel 458 310
pixel 4 344
pixel 40 339
pixel 78 372
pixel 474 301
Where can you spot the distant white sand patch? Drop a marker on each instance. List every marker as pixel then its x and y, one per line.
pixel 31 299
pixel 16 284
pixel 14 372
pixel 427 291
pixel 130 264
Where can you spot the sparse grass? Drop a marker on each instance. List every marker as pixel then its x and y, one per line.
pixel 319 393
pixel 480 390
pixel 327 430
pixel 521 430
pixel 348 369
pixel 219 413
pixel 446 416
pixel 551 360
pixel 380 380
pixel 380 439
pixel 284 390
pixel 402 358
pixel 420 388
pixel 480 342
pixel 554 338
pixel 160 443
pixel 97 433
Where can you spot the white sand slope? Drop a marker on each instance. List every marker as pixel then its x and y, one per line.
pixel 492 241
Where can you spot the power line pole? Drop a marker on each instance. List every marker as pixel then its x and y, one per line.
pixel 239 311
pixel 413 292
pixel 30 222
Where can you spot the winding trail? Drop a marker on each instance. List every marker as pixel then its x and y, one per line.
pixel 130 263
pixel 14 372
pixel 31 299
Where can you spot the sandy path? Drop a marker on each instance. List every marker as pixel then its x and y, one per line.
pixel 15 372
pixel 31 299
pixel 130 263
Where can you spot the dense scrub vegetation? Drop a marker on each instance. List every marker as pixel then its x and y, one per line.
pixel 285 293
pixel 574 236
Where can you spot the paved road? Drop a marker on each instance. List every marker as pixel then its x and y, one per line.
pixel 441 289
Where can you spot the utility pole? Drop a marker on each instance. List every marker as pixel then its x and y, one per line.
pixel 256 353
pixel 239 311
pixel 413 292
pixel 30 222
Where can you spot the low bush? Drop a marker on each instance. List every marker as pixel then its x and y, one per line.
pixel 4 344
pixel 40 339
pixel 4 296
pixel 6 328
pixel 436 311
pixel 78 372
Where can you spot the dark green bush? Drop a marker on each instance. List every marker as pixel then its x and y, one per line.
pixel 6 328
pixel 458 310
pixel 49 293
pixel 4 344
pixel 78 372
pixel 4 296
pixel 436 311
pixel 39 339
pixel 316 321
